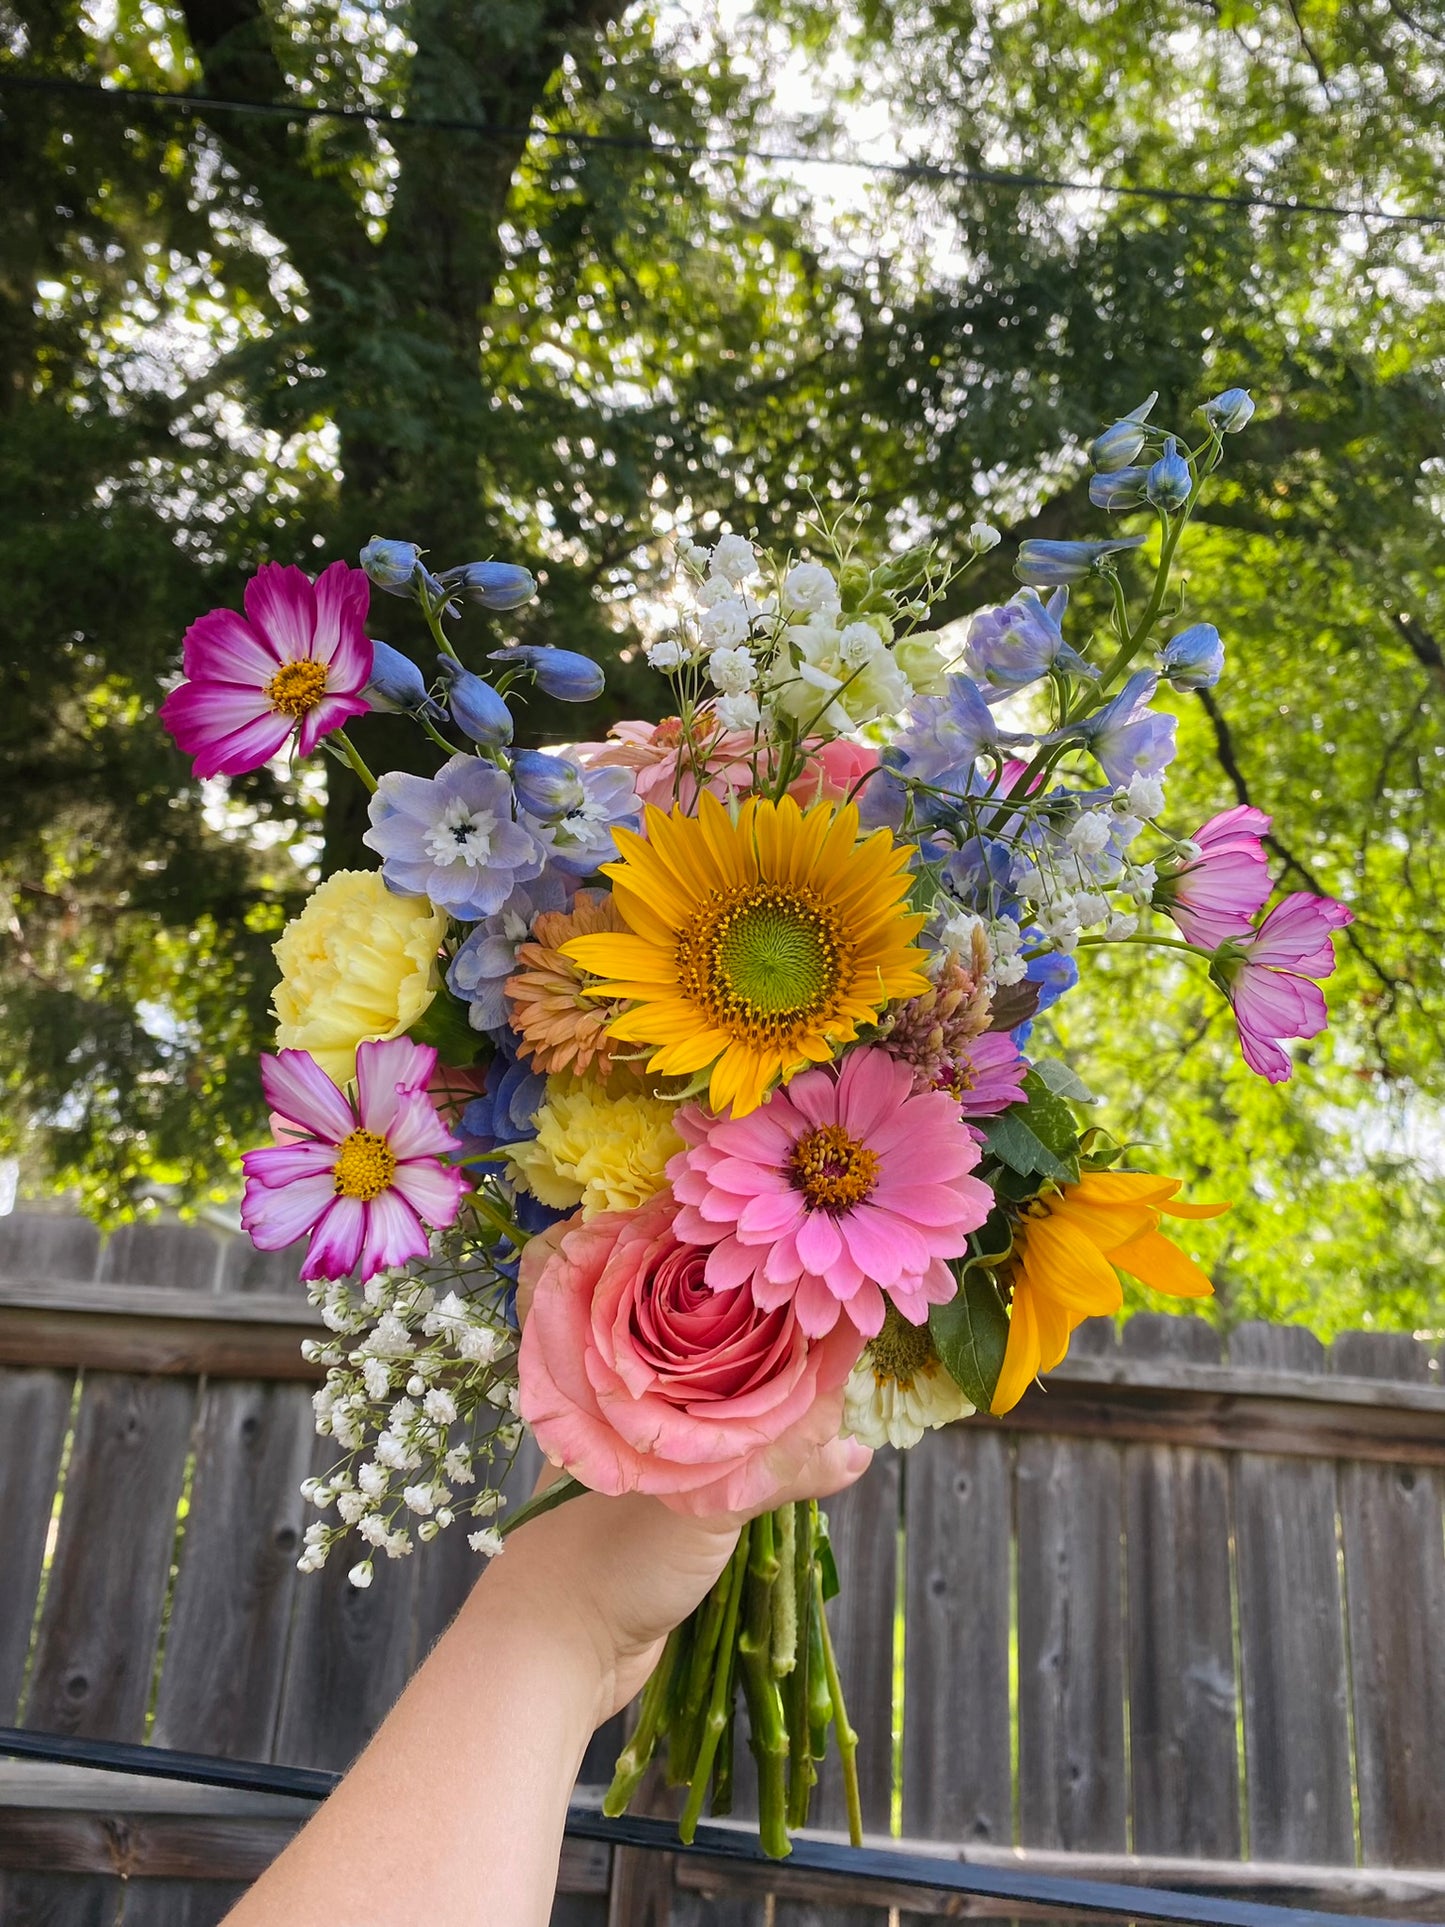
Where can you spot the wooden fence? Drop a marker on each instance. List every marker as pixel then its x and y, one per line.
pixel 1177 1619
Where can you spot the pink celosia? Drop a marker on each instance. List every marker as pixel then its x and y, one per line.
pixel 838 1189
pixel 1267 974
pixel 637 1378
pixel 361 1179
pixel 296 663
pixel 1216 894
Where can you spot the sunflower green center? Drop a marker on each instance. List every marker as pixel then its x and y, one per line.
pixel 831 1169
pixel 901 1352
pixel 296 688
pixel 364 1168
pixel 763 959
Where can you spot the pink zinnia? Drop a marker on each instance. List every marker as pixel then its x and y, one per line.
pixel 297 662
pixel 1217 894
pixel 1267 975
pixel 838 1189
pixel 362 1180
pixel 987 1075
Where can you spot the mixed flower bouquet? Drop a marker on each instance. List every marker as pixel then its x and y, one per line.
pixel 673 1094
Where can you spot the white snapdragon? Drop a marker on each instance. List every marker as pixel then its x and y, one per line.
pixel 738 712
pixel 732 670
pixel 808 587
pixel 734 558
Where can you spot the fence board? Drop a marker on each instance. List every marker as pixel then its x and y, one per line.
pixel 59 1900
pixel 179 1903
pixel 1291 1634
pixel 1183 1755
pixel 34 1414
pixel 226 1649
pixel 102 1615
pixel 1394 1554
pixel 1072 1779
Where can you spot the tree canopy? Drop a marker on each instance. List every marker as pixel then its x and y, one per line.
pixel 235 335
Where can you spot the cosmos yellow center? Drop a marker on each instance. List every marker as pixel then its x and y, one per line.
pixel 831 1169
pixel 901 1351
pixel 762 960
pixel 297 687
pixel 364 1168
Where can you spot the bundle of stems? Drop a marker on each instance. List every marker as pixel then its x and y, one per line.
pixel 763 1632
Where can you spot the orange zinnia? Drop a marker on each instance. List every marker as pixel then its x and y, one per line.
pixel 1069 1249
pixel 559 1026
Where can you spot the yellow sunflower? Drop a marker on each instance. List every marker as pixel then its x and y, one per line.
pixel 1069 1249
pixel 757 946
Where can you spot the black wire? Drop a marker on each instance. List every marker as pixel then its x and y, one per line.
pixel 1007 179
pixel 879 1865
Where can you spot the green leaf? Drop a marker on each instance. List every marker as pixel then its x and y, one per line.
pixel 827 1564
pixel 971 1333
pixel 1062 1081
pixel 444 1025
pixel 1051 1120
pixel 1013 1143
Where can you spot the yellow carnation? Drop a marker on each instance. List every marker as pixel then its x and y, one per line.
pixel 358 962
pixel 604 1153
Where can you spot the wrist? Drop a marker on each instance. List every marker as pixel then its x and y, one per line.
pixel 537 1622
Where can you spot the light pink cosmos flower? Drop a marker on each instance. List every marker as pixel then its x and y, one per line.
pixel 1217 894
pixel 662 772
pixel 1267 977
pixel 362 1179
pixel 297 662
pixel 987 1075
pixel 840 1188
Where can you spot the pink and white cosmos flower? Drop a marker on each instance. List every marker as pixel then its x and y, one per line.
pixel 1267 974
pixel 362 1179
pixel 839 1189
pixel 296 663
pixel 1217 894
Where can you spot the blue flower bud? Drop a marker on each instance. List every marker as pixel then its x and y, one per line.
pixel 495 585
pixel 391 565
pixel 1194 659
pixel 1121 442
pixel 476 707
pixel 396 684
pixel 1121 488
pixel 1048 565
pixel 1230 411
pixel 1169 481
pixel 562 673
pixel 546 786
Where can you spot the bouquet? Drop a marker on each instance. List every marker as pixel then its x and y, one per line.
pixel 675 1094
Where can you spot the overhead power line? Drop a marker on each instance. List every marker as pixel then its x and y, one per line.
pixel 1005 179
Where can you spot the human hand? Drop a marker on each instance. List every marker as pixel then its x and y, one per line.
pixel 615 1575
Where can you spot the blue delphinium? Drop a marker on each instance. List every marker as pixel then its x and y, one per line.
pixel 494 585
pixel 546 786
pixel 943 736
pixel 452 837
pixel 580 842
pixel 397 685
pixel 1010 647
pixel 563 673
pixel 391 565
pixel 1126 736
pixel 506 1112
pixel 480 969
pixel 1194 659
pixel 1046 565
pixel 476 707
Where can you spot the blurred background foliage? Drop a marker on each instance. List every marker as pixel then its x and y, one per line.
pixel 227 336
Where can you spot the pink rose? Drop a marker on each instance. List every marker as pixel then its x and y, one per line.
pixel 832 772
pixel 637 1377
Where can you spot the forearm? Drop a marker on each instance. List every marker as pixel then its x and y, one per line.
pixel 455 1812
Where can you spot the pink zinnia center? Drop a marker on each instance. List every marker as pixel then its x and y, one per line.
pixel 365 1166
pixel 296 688
pixel 831 1169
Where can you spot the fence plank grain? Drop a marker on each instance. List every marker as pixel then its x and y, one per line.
pixel 226 1651
pixel 1291 1633
pixel 1183 1754
pixel 1072 1780
pixel 1395 1595
pixel 59 1900
pixel 34 1415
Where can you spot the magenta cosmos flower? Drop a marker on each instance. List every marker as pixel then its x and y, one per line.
pixel 1216 895
pixel 840 1188
pixel 297 662
pixel 361 1179
pixel 987 1075
pixel 1267 976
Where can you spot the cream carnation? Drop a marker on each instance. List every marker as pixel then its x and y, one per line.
pixel 358 963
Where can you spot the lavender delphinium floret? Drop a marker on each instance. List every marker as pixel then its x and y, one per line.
pixel 452 837
pixel 479 971
pixel 580 842
pixel 1010 647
